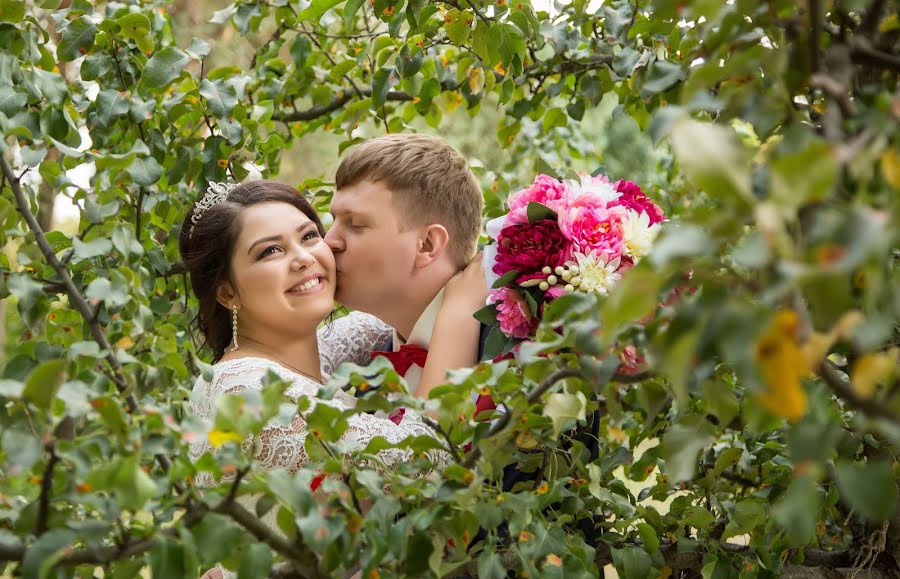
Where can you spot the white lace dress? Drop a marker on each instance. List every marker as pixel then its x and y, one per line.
pixel 349 339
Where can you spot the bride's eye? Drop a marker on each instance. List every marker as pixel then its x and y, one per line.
pixel 311 234
pixel 269 251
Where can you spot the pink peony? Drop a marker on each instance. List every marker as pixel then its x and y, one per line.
pixel 633 198
pixel 529 248
pixel 545 190
pixel 513 314
pixel 591 226
pixel 633 362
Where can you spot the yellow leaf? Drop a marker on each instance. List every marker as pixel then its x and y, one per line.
pixel 124 343
pixel 817 345
pixel 783 367
pixel 890 167
pixel 665 572
pixel 870 369
pixel 219 437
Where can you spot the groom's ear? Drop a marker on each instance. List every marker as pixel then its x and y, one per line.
pixel 431 244
pixel 226 295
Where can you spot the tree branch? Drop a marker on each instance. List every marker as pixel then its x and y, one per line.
pixel 533 397
pixel 75 296
pixel 298 553
pixel 40 526
pixel 843 390
pixel 454 450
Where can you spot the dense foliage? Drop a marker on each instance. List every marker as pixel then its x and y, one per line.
pixel 758 434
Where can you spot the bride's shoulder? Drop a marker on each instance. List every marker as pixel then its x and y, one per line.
pixel 353 323
pixel 245 372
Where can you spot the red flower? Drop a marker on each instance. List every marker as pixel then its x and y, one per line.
pixel 397 415
pixel 529 248
pixel 633 198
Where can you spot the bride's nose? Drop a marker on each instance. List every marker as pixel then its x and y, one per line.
pixel 301 260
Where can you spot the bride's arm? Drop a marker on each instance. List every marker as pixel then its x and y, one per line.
pixel 454 342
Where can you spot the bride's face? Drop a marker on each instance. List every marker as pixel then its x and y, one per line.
pixel 283 272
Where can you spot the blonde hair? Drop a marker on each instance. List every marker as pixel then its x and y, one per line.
pixel 430 182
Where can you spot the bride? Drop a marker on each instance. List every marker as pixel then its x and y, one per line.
pixel 264 280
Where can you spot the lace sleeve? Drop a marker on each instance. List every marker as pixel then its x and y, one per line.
pixel 352 338
pixel 283 446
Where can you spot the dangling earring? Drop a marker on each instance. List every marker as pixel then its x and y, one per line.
pixel 233 329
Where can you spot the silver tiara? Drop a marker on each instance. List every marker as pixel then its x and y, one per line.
pixel 215 193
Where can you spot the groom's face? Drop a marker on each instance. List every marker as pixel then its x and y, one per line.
pixel 374 253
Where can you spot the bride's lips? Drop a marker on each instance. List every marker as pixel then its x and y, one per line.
pixel 307 286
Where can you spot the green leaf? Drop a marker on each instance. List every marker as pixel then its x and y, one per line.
pixel 505 279
pixel 662 76
pixel 44 553
pixel 11 101
pixel 632 562
pixel 43 383
pixel 163 68
pixel 633 298
pixel 256 561
pixel 553 118
pixel 77 38
pixel 22 451
pixel 383 81
pixel 538 211
pixel 145 171
pixel 92 248
pixel 340 69
pixel 713 159
pixel 682 443
pixel 490 565
pixel 103 290
pixel 12 11
pixel 301 49
pixel 220 97
pixel 316 9
pixel 504 41
pixel 698 517
pixel 134 25
pixel 869 488
pixel 487 315
pixel 111 105
pixel 649 537
pixel 798 510
pixel 727 459
pixel 350 10
pixel 132 486
pixel 458 25
pixel 564 409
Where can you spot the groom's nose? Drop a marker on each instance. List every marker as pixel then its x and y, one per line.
pixel 334 239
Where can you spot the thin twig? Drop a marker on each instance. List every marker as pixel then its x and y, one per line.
pixel 434 425
pixel 345 476
pixel 43 512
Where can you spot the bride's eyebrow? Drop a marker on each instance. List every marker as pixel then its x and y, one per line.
pixel 276 237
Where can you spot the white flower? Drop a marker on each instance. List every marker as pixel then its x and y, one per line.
pixel 638 234
pixel 594 187
pixel 596 273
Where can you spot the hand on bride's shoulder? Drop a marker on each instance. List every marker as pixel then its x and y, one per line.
pixel 468 288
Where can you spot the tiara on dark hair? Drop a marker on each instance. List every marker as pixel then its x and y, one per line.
pixel 215 193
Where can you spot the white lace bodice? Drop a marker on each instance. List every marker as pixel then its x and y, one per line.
pixel 349 339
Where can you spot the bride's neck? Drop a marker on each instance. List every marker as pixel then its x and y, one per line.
pixel 298 353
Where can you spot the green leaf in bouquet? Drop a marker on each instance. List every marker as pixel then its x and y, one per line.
pixel 505 279
pixel 497 343
pixel 487 315
pixel 538 211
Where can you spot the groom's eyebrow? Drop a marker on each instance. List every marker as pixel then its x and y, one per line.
pixel 276 237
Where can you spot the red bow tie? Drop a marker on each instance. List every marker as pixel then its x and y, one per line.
pixel 408 355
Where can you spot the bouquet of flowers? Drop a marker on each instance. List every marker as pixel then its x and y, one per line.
pixel 563 236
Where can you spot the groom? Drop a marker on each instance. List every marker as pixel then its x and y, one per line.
pixel 407 216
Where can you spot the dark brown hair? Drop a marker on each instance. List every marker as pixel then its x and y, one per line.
pixel 207 251
pixel 430 182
